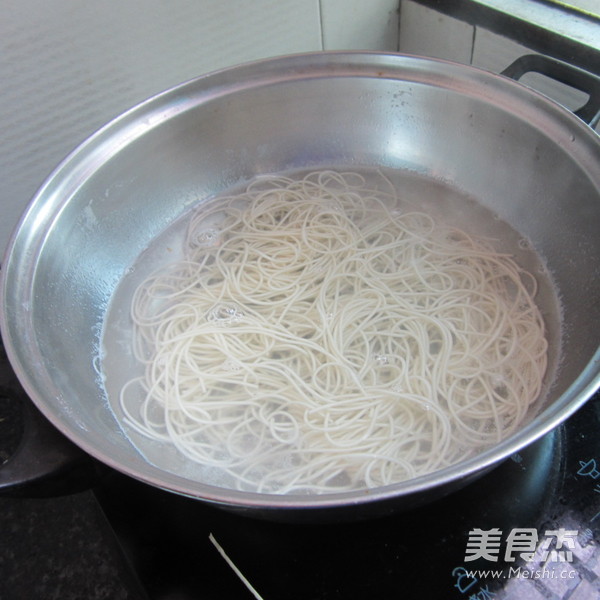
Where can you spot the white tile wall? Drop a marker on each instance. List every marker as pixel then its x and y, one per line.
pixel 430 33
pixel 67 67
pixel 426 32
pixel 360 24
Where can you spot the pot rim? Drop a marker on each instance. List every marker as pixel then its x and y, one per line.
pixel 20 257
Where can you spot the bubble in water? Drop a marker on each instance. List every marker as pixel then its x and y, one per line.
pixel 523 244
pixel 382 359
pixel 231 365
pixel 225 314
pixel 97 364
pixel 207 238
pixel 331 206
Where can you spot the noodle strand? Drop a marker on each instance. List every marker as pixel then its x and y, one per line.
pixel 316 338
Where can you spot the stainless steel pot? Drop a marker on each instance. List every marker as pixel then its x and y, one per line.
pixel 531 161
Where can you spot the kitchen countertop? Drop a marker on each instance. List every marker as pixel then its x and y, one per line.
pixel 61 548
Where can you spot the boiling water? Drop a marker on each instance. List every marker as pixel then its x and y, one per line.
pixel 414 192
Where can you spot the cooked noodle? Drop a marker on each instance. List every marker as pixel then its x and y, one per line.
pixel 316 338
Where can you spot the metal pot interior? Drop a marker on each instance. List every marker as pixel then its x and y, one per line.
pixel 488 138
